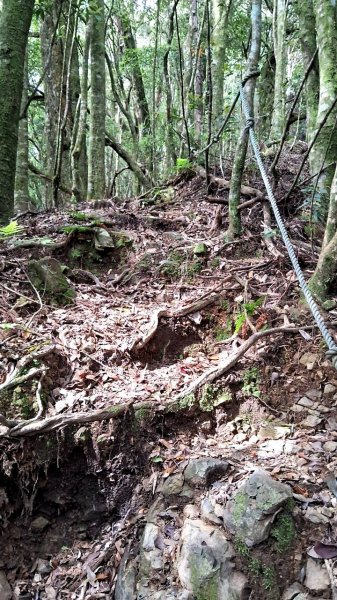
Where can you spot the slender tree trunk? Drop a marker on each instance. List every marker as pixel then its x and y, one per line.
pixel 221 12
pixel 15 19
pixel 21 195
pixel 279 34
pixel 325 149
pixel 96 148
pixel 234 228
pixel 171 155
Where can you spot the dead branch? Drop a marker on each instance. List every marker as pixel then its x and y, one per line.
pixel 215 372
pixel 14 378
pixel 246 190
pixel 63 420
pixel 205 300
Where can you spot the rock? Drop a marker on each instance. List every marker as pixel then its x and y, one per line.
pixel 251 511
pixel 205 566
pixel 315 516
pixel 311 421
pixel 39 524
pixel 151 555
pixel 42 566
pixel 102 239
pixel 47 276
pixel 5 588
pixel 296 592
pixel 208 512
pixel 313 394
pixel 330 446
pixel 173 485
pixel 329 389
pixel 304 401
pixel 274 431
pixel 199 471
pixel 308 360
pixel 126 579
pixel 200 249
pixel 316 578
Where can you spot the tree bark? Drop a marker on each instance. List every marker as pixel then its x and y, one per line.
pixel 21 194
pixel 234 228
pixel 96 146
pixel 279 33
pixel 15 19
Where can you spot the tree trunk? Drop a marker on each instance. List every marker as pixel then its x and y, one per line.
pixel 21 195
pixel 96 147
pixel 279 34
pixel 15 19
pixel 325 149
pixel 325 272
pixel 221 12
pixel 234 228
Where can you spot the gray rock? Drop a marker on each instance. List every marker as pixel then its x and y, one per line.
pixel 207 512
pixel 151 555
pixel 304 401
pixel 47 276
pixel 43 567
pixel 316 578
pixel 198 472
pixel 311 421
pixel 296 592
pixel 313 394
pixel 205 566
pixel 330 446
pixel 5 588
pixel 173 485
pixel 251 511
pixel 126 579
pixel 329 389
pixel 39 524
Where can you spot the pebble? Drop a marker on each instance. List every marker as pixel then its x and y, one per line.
pixel 316 578
pixel 313 394
pixel 330 446
pixel 329 388
pixel 311 421
pixel 304 401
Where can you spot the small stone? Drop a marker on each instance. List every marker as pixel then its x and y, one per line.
pixel 43 567
pixel 313 394
pixel 199 471
pixel 317 578
pixel 315 516
pixel 190 511
pixel 308 360
pixel 311 421
pixel 39 524
pixel 292 592
pixel 329 388
pixel 323 409
pixel 207 512
pixel 200 249
pixel 240 437
pixel 304 401
pixel 172 485
pixel 330 446
pixel 297 408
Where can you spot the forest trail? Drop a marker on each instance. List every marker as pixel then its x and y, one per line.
pixel 90 510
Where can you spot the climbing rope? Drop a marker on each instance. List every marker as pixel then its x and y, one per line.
pixel 332 347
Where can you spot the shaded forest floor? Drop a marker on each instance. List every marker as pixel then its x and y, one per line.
pixel 73 500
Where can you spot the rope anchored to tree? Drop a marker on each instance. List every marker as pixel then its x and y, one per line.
pixel 332 347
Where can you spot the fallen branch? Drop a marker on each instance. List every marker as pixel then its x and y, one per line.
pixel 30 428
pixel 242 205
pixel 215 372
pixel 246 190
pixel 14 378
pixel 205 300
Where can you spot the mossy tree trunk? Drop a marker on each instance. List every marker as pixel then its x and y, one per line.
pixel 221 12
pixel 279 35
pixel 325 149
pixel 21 194
pixel 234 228
pixel 326 269
pixel 96 142
pixel 15 19
pixel 306 17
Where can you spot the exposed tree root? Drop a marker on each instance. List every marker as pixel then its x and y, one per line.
pixel 215 372
pixel 211 297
